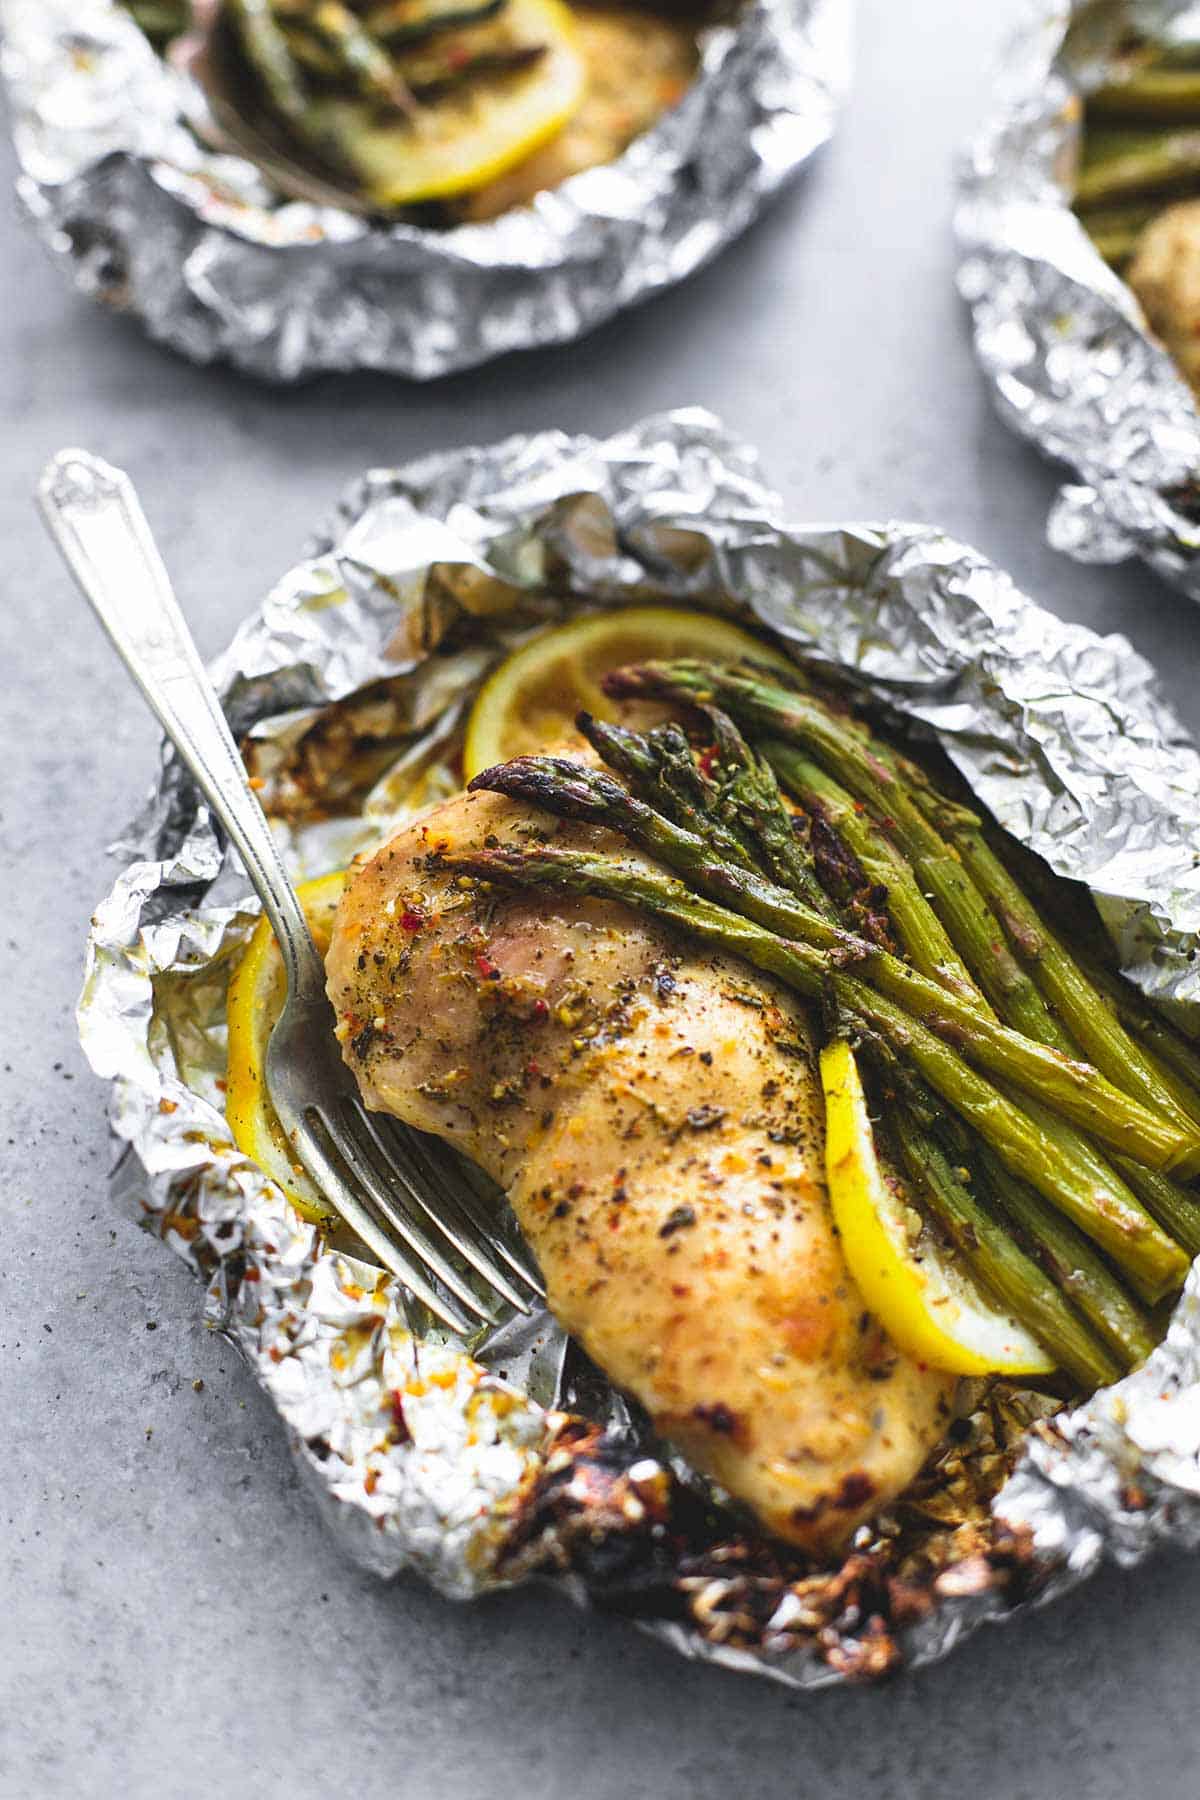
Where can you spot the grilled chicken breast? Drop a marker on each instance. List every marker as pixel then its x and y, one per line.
pixel 653 1113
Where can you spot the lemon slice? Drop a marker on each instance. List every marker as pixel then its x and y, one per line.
pixel 927 1304
pixel 255 999
pixel 471 136
pixel 531 700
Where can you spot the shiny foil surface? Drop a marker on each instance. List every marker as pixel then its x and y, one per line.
pixel 218 265
pixel 471 1464
pixel 1061 338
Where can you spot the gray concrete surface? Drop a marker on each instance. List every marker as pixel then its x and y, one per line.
pixel 173 1619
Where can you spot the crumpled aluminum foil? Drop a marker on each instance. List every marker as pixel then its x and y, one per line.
pixel 422 1455
pixel 1061 338
pixel 219 265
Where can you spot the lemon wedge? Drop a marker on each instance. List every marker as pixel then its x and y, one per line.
pixel 255 999
pixel 472 135
pixel 927 1304
pixel 529 703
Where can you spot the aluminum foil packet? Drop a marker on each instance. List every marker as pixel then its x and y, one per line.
pixel 1061 338
pixel 197 244
pixel 486 1464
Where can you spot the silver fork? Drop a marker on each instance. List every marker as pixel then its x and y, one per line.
pixel 389 1185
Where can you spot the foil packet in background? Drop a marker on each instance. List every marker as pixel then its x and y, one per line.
pixel 218 265
pixel 1061 338
pixel 348 687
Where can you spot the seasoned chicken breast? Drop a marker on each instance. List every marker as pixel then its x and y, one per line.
pixel 653 1113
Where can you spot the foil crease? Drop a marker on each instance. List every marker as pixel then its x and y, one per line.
pixel 1062 340
pixel 218 265
pixel 422 1454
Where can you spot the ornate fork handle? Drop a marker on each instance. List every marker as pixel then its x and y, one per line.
pixel 94 517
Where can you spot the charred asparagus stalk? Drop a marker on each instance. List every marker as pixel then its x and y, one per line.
pixel 1113 1218
pixel 564 787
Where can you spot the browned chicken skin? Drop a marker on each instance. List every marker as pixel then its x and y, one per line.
pixel 653 1113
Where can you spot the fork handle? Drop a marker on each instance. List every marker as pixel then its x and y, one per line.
pixel 94 516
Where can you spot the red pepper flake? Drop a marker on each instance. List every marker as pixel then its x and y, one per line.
pixel 251 1275
pixel 487 968
pixel 708 761
pixel 533 1067
pixel 411 920
pixel 541 1010
pixel 372 1480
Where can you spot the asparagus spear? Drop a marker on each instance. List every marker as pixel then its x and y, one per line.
pixel 1175 1056
pixel 920 821
pixel 309 54
pixel 986 1245
pixel 399 24
pixel 1067 1256
pixel 1152 95
pixel 749 799
pixel 925 939
pixel 434 76
pixel 1019 1003
pixel 1072 1261
pixel 565 787
pixel 1112 1217
pixel 1097 1031
pixel 1102 1297
pixel 1117 165
pixel 1124 223
pixel 267 52
pixel 921 931
pixel 363 61
pixel 1002 1269
pixel 840 743
pixel 655 773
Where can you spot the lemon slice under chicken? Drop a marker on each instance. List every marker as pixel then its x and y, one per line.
pixel 255 999
pixel 924 1300
pixel 531 700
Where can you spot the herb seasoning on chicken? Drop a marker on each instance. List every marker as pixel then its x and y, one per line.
pixel 653 1112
